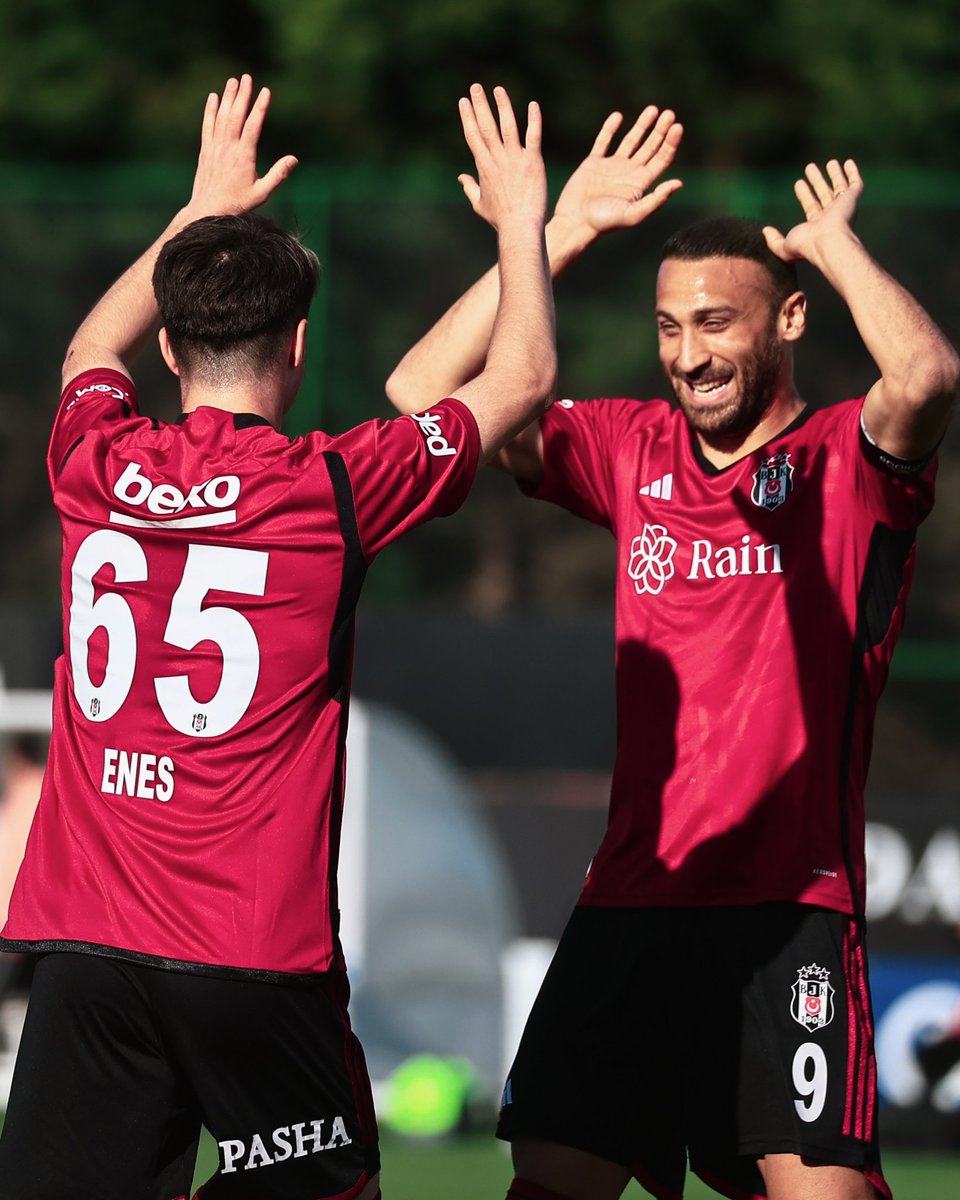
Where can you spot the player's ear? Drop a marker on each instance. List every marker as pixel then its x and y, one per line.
pixel 166 350
pixel 792 319
pixel 298 345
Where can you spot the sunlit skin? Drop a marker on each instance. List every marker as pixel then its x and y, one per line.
pixel 727 349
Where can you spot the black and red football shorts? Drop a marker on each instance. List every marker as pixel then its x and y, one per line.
pixel 120 1064
pixel 722 1034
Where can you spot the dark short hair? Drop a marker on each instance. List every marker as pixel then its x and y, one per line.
pixel 231 289
pixel 733 237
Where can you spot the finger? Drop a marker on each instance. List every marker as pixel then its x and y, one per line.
pixel 471 189
pixel 471 131
pixel 486 123
pixel 226 101
pixel 637 131
pixel 281 170
pixel 819 186
pixel 668 150
pixel 241 103
pixel 534 136
pixel 508 122
pixel 775 241
pixel 253 125
pixel 853 174
pixel 837 177
pixel 603 139
pixel 808 202
pixel 656 137
pixel 653 200
pixel 209 118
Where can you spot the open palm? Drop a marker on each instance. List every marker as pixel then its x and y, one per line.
pixel 612 191
pixel 829 206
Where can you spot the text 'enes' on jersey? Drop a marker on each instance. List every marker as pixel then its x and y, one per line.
pixel 192 802
pixel 757 610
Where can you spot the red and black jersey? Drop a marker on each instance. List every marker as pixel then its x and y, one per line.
pixel 192 801
pixel 757 610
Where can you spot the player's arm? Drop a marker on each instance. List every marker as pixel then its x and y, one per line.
pixel 609 190
pixel 226 182
pixel 510 192
pixel 906 412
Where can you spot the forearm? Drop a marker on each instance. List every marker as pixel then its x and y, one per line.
pixel 455 349
pixel 907 411
pixel 122 320
pixel 226 181
pixel 519 376
pixel 522 345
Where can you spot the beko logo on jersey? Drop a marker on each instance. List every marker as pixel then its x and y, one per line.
pixel 652 554
pixel 165 499
pixel 437 444
pixel 288 1141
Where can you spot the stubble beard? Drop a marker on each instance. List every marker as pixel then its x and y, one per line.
pixel 759 376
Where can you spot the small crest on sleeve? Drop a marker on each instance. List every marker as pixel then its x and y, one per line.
pixel 772 481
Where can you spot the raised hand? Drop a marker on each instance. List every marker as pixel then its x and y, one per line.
pixel 829 207
pixel 613 191
pixel 511 179
pixel 226 180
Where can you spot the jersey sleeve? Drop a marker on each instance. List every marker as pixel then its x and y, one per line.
pixel 93 400
pixel 580 441
pixel 406 471
pixel 895 491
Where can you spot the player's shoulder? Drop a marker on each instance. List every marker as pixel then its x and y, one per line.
pixel 625 412
pixel 829 419
pixel 834 415
pixel 445 430
pixel 831 429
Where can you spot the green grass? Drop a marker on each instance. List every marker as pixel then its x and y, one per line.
pixel 478 1168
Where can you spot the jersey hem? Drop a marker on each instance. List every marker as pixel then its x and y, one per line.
pixel 162 963
pixel 711 899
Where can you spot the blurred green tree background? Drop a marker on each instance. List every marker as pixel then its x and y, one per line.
pixel 100 104
pixel 377 81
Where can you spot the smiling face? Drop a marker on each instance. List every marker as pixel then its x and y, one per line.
pixel 723 341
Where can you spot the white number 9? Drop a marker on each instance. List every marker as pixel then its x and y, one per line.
pixel 811 1084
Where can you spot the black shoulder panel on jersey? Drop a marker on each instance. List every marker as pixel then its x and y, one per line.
pixel 351 580
pixel 70 450
pixel 889 462
pixel 882 580
pixel 877 602
pixel 340 652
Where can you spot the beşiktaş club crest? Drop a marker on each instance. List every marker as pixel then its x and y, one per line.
pixel 812 1004
pixel 773 481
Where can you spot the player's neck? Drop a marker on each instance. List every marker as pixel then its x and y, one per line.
pixel 724 450
pixel 259 398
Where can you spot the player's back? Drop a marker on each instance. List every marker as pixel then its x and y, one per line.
pixel 210 574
